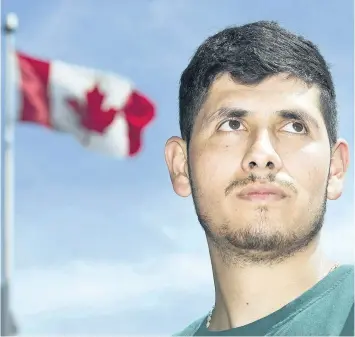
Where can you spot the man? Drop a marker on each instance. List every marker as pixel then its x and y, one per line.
pixel 260 155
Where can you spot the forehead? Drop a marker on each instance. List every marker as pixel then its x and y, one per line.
pixel 273 94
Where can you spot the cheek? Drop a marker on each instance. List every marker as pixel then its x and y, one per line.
pixel 309 167
pixel 214 168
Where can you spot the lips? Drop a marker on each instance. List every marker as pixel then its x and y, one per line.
pixel 262 192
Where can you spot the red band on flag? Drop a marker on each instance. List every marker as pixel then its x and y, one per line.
pixel 34 87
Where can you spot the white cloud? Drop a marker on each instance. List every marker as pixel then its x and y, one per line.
pixel 77 285
pixel 88 286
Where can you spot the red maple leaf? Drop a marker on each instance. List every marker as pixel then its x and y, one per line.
pixel 138 112
pixel 92 116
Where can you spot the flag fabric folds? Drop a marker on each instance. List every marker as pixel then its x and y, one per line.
pixel 102 110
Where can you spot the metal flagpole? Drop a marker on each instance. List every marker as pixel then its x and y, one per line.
pixel 7 221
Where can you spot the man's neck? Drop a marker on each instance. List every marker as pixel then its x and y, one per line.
pixel 247 293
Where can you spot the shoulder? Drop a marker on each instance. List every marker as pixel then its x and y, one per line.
pixel 348 268
pixel 192 328
pixel 340 289
pixel 346 277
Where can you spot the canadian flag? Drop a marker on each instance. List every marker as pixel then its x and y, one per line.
pixel 101 110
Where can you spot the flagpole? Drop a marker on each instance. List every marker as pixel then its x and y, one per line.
pixel 7 221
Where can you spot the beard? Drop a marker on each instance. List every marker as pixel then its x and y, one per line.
pixel 254 243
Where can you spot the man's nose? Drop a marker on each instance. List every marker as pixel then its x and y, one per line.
pixel 261 157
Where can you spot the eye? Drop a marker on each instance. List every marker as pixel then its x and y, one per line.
pixel 295 127
pixel 231 125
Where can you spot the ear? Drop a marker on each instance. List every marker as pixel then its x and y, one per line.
pixel 176 160
pixel 339 164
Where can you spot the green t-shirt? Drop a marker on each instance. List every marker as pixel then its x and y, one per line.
pixel 327 309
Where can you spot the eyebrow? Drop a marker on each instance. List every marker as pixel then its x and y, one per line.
pixel 225 112
pixel 298 115
pixel 288 114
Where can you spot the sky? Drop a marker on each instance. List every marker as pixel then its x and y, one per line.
pixel 104 246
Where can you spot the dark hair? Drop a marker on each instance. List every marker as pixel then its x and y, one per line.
pixel 251 53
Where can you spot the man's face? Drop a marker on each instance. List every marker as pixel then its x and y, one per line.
pixel 259 164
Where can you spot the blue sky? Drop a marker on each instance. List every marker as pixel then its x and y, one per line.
pixel 104 246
